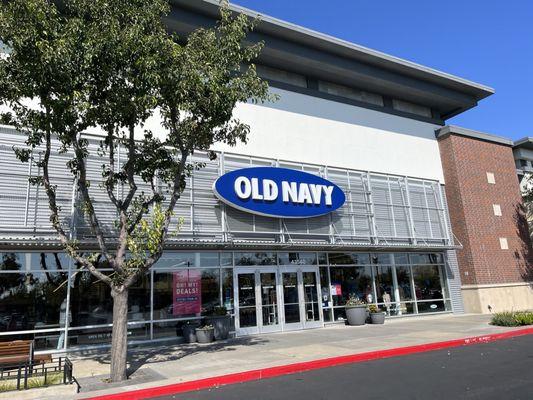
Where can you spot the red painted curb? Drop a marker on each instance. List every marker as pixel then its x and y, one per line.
pixel 271 372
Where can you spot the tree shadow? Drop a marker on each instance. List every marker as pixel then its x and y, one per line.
pixel 140 355
pixel 524 255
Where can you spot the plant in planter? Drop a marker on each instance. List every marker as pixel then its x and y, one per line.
pixel 377 316
pixel 355 311
pixel 189 331
pixel 221 321
pixel 205 334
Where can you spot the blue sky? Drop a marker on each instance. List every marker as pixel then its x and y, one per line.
pixel 489 42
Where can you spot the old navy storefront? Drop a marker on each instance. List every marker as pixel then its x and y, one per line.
pixel 281 245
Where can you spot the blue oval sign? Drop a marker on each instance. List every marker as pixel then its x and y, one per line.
pixel 278 192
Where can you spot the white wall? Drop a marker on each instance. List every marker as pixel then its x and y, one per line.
pixel 309 129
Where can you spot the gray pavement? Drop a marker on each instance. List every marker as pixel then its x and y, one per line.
pixel 491 371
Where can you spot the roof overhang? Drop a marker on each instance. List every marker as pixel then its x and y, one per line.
pixel 524 143
pixel 319 56
pixel 457 130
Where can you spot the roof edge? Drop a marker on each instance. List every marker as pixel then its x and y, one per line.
pixel 487 137
pixel 355 47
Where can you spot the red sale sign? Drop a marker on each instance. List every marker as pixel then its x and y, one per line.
pixel 187 291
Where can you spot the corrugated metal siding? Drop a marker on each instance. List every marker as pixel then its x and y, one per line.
pixel 453 274
pixel 380 210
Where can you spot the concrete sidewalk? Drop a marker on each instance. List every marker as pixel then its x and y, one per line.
pixel 169 364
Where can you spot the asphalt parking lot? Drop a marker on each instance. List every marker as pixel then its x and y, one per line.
pixel 497 370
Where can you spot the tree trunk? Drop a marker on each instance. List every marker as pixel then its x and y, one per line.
pixel 119 341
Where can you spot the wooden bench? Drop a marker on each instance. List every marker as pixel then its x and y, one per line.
pixel 16 352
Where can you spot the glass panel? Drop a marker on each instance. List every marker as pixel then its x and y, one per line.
pixel 45 262
pixel 322 258
pixel 401 258
pixel 186 293
pixel 269 298
pixel 291 297
pixel 90 301
pixel 384 285
pixel 324 286
pixel 243 259
pixel 297 258
pixel 92 336
pixel 349 258
pixel 430 306
pixel 339 314
pixel 346 281
pixel 227 288
pixel 403 275
pixel 310 296
pixel 427 258
pixel 247 310
pixel 139 299
pixel 32 301
pixel 427 282
pixel 176 260
pixel 381 258
pixel 327 314
pixel 226 259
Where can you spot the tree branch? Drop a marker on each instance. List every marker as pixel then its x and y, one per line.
pixel 54 214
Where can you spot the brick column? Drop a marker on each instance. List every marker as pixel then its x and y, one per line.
pixel 481 180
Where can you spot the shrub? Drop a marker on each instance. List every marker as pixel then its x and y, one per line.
pixel 512 318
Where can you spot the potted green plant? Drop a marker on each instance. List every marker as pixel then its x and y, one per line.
pixel 355 311
pixel 205 334
pixel 189 331
pixel 377 316
pixel 221 321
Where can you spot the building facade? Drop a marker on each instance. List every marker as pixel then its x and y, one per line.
pixel 489 219
pixel 364 121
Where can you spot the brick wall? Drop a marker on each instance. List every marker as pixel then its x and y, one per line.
pixel 466 162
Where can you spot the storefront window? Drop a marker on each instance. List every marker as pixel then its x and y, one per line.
pixel 350 281
pixel 297 258
pixel 186 293
pixel 90 300
pixel 139 299
pixel 384 285
pixel 427 282
pixel 31 300
pixel 244 259
pixel 349 258
pixel 403 275
pixel 227 288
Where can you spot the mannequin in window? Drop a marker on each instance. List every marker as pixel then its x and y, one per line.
pixel 387 302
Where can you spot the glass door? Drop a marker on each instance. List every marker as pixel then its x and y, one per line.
pixel 311 292
pixel 270 319
pixel 291 300
pixel 246 321
pixel 257 301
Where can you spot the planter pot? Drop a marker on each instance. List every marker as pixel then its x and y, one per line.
pixel 377 318
pixel 356 315
pixel 222 325
pixel 205 335
pixel 189 333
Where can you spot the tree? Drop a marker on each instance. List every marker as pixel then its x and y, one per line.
pixel 112 65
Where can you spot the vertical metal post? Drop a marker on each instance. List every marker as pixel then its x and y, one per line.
pixel 412 230
pixel 427 209
pixel 27 205
pixel 35 210
pixel 368 187
pixel 392 208
pixel 444 215
pixel 223 216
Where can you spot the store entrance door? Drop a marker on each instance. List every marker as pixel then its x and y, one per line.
pixel 276 299
pixel 257 301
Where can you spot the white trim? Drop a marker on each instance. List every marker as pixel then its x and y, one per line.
pixel 495 285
